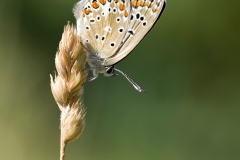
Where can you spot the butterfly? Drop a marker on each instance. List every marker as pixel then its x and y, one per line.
pixel 111 29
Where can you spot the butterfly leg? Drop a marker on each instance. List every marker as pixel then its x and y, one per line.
pixel 95 75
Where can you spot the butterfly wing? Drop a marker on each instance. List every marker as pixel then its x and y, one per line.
pixel 102 24
pixel 144 14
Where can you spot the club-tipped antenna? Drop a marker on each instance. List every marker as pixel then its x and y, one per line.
pixel 135 85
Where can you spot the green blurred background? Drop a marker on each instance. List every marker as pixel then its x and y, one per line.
pixel 189 65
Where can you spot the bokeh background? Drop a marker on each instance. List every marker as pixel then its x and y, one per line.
pixel 189 64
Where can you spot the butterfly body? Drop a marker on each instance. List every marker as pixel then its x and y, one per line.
pixel 111 29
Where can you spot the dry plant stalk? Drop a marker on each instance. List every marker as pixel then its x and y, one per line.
pixel 67 87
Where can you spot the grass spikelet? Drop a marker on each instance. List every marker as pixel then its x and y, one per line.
pixel 67 86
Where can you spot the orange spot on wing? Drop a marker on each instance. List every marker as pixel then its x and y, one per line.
pixel 154 9
pixel 102 2
pixel 125 13
pixel 87 11
pixel 134 3
pixel 116 1
pixel 142 3
pixel 138 3
pixel 149 4
pixel 122 6
pixel 83 14
pixel 95 5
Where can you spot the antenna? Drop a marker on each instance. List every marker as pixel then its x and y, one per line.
pixel 135 85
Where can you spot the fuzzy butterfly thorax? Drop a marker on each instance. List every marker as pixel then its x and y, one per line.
pixel 111 29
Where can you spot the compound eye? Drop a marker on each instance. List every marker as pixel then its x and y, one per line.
pixel 110 70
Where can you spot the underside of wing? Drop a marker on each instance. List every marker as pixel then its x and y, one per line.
pixel 102 25
pixel 144 14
